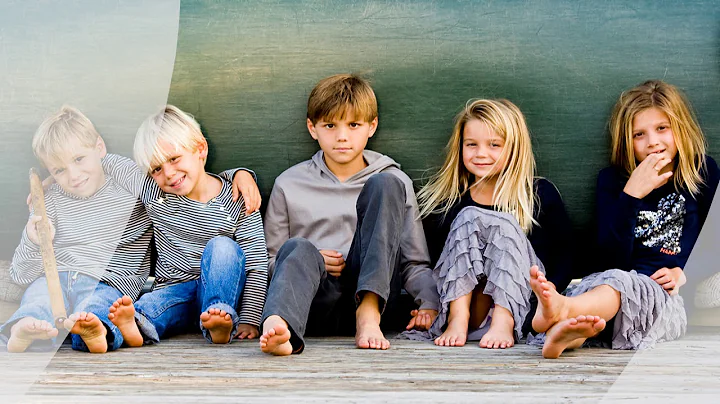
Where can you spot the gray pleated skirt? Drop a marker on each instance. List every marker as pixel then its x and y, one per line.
pixel 483 245
pixel 647 315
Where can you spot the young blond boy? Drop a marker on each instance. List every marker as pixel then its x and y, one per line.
pixel 342 231
pixel 101 234
pixel 211 252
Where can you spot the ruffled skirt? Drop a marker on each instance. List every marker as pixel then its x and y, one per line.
pixel 483 245
pixel 648 314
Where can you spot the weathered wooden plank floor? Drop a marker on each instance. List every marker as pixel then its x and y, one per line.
pixel 184 369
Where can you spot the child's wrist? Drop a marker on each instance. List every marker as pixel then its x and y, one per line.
pixel 635 193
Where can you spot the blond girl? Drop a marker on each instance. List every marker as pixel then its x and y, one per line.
pixel 652 202
pixel 480 208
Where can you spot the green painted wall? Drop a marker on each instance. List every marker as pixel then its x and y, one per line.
pixel 245 70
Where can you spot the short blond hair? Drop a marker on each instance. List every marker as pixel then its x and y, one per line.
pixel 59 132
pixel 336 96
pixel 688 136
pixel 170 125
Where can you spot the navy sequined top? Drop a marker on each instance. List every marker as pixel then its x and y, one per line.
pixel 657 231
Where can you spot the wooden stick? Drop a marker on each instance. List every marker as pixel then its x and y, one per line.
pixel 46 249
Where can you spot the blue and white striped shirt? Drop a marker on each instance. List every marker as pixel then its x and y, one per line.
pixel 105 236
pixel 184 226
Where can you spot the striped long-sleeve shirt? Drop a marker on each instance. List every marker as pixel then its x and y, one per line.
pixel 184 226
pixel 105 236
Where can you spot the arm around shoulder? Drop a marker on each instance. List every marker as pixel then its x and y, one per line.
pixel 127 174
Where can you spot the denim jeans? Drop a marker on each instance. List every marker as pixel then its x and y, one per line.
pixel 176 309
pixel 308 299
pixel 81 293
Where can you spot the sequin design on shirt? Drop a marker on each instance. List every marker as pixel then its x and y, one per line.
pixel 664 226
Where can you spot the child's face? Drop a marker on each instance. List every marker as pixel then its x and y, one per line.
pixel 482 150
pixel 79 172
pixel 342 141
pixel 651 133
pixel 180 173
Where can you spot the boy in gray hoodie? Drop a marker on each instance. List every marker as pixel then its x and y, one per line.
pixel 342 231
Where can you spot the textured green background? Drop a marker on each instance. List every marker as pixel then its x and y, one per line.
pixel 244 69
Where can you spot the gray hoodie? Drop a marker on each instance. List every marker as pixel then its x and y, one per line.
pixel 309 201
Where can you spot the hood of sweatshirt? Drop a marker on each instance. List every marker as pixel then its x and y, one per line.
pixel 377 162
pixel 319 207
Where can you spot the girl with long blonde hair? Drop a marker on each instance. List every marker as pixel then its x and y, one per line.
pixel 487 218
pixel 652 202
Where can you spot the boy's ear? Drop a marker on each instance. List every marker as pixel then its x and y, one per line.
pixel 311 129
pixel 100 145
pixel 202 148
pixel 373 127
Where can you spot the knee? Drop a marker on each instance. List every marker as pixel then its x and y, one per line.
pixel 385 189
pixel 297 244
pixel 385 183
pixel 299 251
pixel 224 248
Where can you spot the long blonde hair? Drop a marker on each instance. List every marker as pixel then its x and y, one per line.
pixel 688 136
pixel 513 191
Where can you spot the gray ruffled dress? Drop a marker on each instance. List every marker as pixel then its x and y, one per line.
pixel 647 315
pixel 483 245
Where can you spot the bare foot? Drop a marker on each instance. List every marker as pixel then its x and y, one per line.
pixel 552 306
pixel 122 314
pixel 275 339
pixel 367 332
pixel 89 327
pixel 28 329
pixel 219 324
pixel 456 332
pixel 502 330
pixel 570 334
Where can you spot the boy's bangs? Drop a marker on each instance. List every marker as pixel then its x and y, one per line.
pixel 58 140
pixel 57 150
pixel 162 144
pixel 342 111
pixel 59 157
pixel 159 155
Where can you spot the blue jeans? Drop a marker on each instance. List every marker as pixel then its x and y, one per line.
pixel 81 293
pixel 176 309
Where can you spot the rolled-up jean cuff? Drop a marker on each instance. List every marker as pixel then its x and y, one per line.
pixel 147 329
pixel 229 310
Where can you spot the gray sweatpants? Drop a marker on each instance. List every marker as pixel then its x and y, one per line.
pixel 313 302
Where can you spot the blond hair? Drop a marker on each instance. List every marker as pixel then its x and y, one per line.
pixel 336 96
pixel 171 126
pixel 59 132
pixel 513 191
pixel 688 136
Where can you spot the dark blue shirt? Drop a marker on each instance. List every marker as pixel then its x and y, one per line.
pixel 657 231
